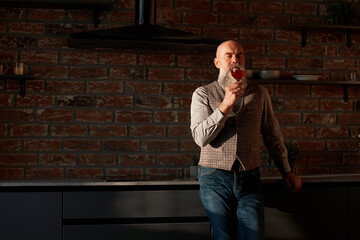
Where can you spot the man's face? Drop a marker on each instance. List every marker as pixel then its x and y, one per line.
pixel 229 54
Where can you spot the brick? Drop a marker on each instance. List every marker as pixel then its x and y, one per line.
pixel 290 36
pixel 155 102
pixel 325 91
pixel 28 130
pixel 168 74
pixel 97 159
pixel 57 159
pixel 284 49
pixel 79 57
pixel 166 117
pixel 179 131
pixel 35 101
pixel 12 159
pixel 11 173
pixel 200 5
pixel 65 28
pixel 336 105
pixel 3 130
pixel 221 33
pixel 48 115
pixel 346 170
pixel 44 173
pixel 88 72
pixel 46 14
pixel 133 116
pixel 301 104
pixel 312 170
pixel 147 131
pixel 256 34
pixel 26 27
pixel 319 50
pixel 311 145
pixel 128 73
pixel 304 63
pixel 6 100
pixel 82 15
pixel 75 101
pixel 203 60
pixel 324 159
pixel 30 86
pixel 81 145
pixel 122 145
pixel 94 116
pixel 11 13
pixel 65 87
pixel 338 64
pixel 117 58
pixel 68 130
pixel 85 173
pixel 328 37
pixel 349 118
pixel 50 71
pixel 189 145
pixel 300 9
pixel 343 145
pixel 163 173
pixel 121 17
pixel 18 42
pixel 39 56
pixel 199 18
pixel 253 48
pixel 105 87
pixel 126 174
pixel 230 6
pixel 108 131
pixel 177 88
pixel 292 90
pixel 182 102
pixel 354 90
pixel 169 18
pixel 332 132
pixel 137 160
pixel 42 144
pixel 174 160
pixel 269 62
pixel 320 118
pixel 298 132
pixel 145 88
pixel 202 75
pixel 115 101
pixel 51 42
pixel 16 115
pixel 288 118
pixel 273 21
pixel 183 117
pixel 266 7
pixel 351 158
pixel 160 145
pixel 157 59
pixel 307 20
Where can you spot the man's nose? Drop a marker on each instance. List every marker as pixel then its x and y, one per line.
pixel 235 59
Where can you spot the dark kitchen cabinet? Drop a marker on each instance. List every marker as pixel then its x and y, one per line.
pixel 30 215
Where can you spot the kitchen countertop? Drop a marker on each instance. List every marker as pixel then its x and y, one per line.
pixel 331 178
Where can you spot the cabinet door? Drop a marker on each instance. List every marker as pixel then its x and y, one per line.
pixel 30 215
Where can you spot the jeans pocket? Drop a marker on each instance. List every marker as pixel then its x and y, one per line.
pixel 205 171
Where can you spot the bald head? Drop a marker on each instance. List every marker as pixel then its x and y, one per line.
pixel 228 53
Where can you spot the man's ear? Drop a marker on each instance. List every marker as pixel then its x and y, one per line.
pixel 216 62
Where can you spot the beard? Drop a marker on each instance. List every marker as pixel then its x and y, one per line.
pixel 225 78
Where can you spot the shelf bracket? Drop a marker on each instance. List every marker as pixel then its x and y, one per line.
pixel 96 18
pixel 345 92
pixel 303 37
pixel 348 38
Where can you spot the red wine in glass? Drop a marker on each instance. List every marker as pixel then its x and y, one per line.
pixel 238 72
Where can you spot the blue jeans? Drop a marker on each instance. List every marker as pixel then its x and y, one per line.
pixel 233 202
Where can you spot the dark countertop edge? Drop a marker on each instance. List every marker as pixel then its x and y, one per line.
pixel 334 178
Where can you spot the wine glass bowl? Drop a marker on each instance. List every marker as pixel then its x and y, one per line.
pixel 238 72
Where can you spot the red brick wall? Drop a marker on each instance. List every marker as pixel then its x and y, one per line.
pixel 125 113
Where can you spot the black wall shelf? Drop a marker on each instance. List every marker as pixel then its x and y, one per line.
pixel 305 28
pixel 59 4
pixel 345 84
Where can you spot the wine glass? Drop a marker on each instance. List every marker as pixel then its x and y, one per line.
pixel 238 72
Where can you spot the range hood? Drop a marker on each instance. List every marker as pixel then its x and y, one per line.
pixel 145 34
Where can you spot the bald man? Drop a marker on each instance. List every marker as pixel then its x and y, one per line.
pixel 228 118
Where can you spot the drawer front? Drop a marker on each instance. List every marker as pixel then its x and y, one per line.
pixel 132 204
pixel 173 231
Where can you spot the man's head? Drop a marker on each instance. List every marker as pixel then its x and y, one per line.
pixel 228 55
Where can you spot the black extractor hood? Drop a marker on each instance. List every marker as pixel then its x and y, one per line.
pixel 145 34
